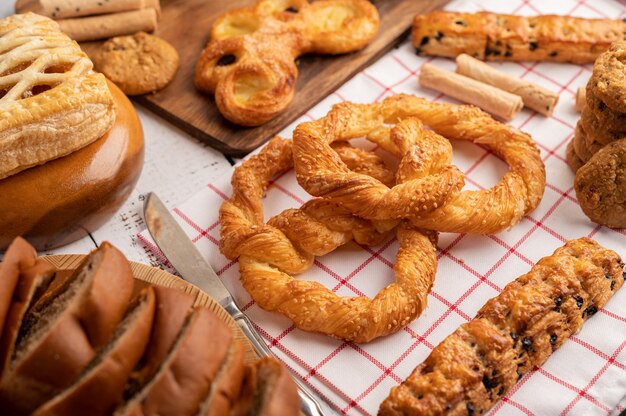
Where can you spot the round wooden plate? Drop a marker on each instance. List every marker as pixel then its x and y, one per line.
pixel 144 275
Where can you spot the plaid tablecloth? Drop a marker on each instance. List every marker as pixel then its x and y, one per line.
pixel 586 376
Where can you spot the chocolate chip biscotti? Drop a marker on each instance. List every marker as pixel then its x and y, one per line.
pixel 493 37
pixel 513 332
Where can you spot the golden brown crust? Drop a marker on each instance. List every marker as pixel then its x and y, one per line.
pixel 572 158
pixel 511 334
pixel 100 386
pixel 607 117
pixel 249 63
pixel 46 81
pixel 601 186
pixel 269 253
pixel 596 131
pixel 489 211
pixel 138 64
pixel 491 36
pixel 50 352
pixel 23 278
pixel 608 80
pixel 268 390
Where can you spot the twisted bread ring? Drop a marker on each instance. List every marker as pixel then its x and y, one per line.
pixel 249 63
pixel 269 253
pixel 321 173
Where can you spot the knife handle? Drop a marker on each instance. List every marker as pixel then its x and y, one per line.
pixel 308 404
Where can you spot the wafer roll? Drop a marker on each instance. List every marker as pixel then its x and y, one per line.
pixel 581 96
pixel 493 100
pixel 109 25
pixel 63 9
pixel 538 98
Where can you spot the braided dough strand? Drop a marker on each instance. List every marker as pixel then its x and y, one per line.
pixel 321 173
pixel 269 254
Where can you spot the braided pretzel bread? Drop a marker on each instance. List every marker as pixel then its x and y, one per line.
pixel 320 172
pixel 249 63
pixel 269 253
pixel 51 100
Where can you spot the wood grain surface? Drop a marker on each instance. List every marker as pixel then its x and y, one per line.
pixel 186 24
pixel 145 274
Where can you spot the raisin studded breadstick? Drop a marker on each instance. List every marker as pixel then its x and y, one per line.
pixel 513 332
pixel 490 36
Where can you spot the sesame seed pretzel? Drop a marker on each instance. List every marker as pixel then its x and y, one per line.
pixel 322 174
pixel 269 254
pixel 249 64
pixel 52 103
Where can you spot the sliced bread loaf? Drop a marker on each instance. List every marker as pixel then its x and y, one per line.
pixel 61 333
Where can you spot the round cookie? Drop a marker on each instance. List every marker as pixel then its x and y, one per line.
pixel 601 186
pixel 138 64
pixel 572 158
pixel 609 77
pixel 607 117
pixel 579 144
pixel 595 131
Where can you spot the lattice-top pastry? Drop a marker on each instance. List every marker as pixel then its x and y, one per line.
pixel 249 62
pixel 51 101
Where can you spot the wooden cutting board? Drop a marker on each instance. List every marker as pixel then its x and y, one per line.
pixel 186 24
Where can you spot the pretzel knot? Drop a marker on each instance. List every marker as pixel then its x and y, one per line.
pixel 270 253
pixel 432 201
pixel 249 64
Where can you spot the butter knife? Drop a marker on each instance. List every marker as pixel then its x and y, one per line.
pixel 187 260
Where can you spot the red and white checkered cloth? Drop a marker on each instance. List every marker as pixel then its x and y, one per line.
pixel 586 376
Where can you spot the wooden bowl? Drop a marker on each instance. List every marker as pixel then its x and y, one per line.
pixel 58 202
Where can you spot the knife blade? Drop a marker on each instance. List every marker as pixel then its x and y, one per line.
pixel 183 255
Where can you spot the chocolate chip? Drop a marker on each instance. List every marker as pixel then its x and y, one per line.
pixel 439 36
pixel 470 409
pixel 527 343
pixel 513 336
pixel 508 54
pixel 553 339
pixel 591 310
pixel 579 301
pixel 624 275
pixel 226 60
pixel 557 302
pixel 424 41
pixel 501 390
pixel 613 285
pixel 533 45
pixel 490 383
pixel 519 375
pixel 607 275
pixel 460 23
pixel 553 53
pixel 291 9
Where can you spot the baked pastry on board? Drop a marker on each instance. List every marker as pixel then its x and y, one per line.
pixel 497 37
pixel 52 102
pixel 249 63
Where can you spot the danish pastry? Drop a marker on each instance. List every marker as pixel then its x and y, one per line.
pixel 439 207
pixel 511 334
pixel 269 253
pixel 249 63
pixel 496 37
pixel 51 100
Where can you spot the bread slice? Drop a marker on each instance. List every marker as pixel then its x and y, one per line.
pixel 23 278
pixel 61 333
pixel 268 390
pixel 100 386
pixel 184 376
pixel 226 386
